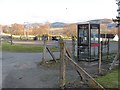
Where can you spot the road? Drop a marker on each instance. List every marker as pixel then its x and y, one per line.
pixel 113 45
pixel 25 42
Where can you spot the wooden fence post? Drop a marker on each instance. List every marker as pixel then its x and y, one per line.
pixel 44 49
pixel 88 79
pixel 11 36
pixel 11 41
pixel 108 49
pixel 73 47
pixel 114 61
pixel 100 58
pixel 51 54
pixel 62 78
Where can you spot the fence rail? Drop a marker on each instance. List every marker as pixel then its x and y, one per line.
pixel 85 77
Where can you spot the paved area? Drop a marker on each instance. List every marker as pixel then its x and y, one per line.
pixel 22 70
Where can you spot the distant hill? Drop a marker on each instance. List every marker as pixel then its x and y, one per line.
pixel 57 25
pixel 101 21
pixel 110 23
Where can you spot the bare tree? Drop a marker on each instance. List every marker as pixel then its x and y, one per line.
pixel 41 29
pixel 103 28
pixel 6 29
pixel 70 29
pixel 18 29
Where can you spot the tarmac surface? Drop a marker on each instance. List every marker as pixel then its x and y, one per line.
pixel 21 70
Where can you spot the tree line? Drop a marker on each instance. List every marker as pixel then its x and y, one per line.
pixel 41 29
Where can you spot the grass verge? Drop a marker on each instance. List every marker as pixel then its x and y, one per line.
pixel 110 80
pixel 23 48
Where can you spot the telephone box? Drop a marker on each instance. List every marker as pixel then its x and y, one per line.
pixel 88 41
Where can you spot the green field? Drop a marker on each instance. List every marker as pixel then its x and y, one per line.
pixel 23 48
pixel 110 80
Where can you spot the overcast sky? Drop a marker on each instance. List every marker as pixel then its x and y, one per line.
pixel 20 11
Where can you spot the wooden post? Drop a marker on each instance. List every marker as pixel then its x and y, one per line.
pixel 94 47
pixel 88 78
pixel 44 49
pixel 117 57
pixel 108 50
pixel 11 39
pixel 62 78
pixel 27 34
pixel 119 47
pixel 100 58
pixel 51 54
pixel 73 48
pixel 101 50
pixel 68 54
pixel 114 61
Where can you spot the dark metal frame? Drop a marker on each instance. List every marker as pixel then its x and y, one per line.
pixel 86 29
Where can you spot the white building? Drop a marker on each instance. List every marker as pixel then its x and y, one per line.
pixel 115 38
